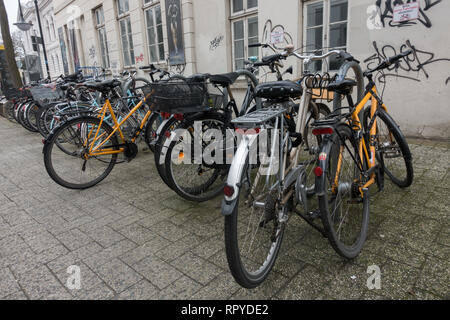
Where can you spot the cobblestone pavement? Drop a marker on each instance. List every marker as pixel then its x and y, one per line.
pixel 133 238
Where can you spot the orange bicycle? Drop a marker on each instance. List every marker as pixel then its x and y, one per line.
pixel 355 154
pixel 83 150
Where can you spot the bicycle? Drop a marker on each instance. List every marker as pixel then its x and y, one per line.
pixel 354 157
pixel 261 191
pixel 192 180
pixel 91 143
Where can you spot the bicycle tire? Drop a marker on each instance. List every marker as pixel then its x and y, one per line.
pixel 52 142
pixel 151 127
pixel 199 192
pixel 394 129
pixel 334 149
pixel 244 277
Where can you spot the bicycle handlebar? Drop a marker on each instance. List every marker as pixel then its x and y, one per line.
pixel 389 61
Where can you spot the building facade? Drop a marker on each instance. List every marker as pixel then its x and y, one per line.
pixel 214 36
pixel 50 39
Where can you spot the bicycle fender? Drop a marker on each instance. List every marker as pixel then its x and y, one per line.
pixel 235 173
pixel 322 162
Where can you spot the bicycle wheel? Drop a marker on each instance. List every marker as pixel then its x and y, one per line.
pixel 151 129
pixel 253 233
pixel 66 153
pixel 32 116
pixel 22 116
pixel 163 133
pixel 204 179
pixel 10 111
pixel 392 150
pixel 344 212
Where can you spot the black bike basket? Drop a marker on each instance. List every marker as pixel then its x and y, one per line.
pixel 45 95
pixel 182 97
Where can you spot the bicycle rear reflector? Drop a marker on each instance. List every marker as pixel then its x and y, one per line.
pixel 322 131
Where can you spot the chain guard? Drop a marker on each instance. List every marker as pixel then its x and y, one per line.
pixel 131 150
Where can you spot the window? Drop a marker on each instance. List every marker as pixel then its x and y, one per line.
pixel 154 32
pixel 123 7
pixel 102 39
pixel 52 27
pixel 126 34
pixel 244 31
pixel 243 5
pixel 326 27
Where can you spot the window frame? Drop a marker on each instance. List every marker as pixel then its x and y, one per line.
pixel 125 16
pixel 244 16
pixel 326 28
pixel 102 26
pixel 244 10
pixel 151 5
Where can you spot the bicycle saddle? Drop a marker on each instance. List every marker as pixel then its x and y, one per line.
pixel 278 90
pixel 199 77
pixel 224 79
pixel 343 86
pixel 103 86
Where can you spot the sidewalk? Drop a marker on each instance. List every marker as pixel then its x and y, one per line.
pixel 133 238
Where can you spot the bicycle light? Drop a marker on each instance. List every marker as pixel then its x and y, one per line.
pixel 228 191
pixel 322 131
pixel 318 171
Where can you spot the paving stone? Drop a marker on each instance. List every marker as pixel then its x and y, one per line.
pixel 435 277
pixel 105 236
pixel 74 257
pixel 42 241
pixel 397 279
pixel 40 283
pixel 168 230
pixel 158 272
pixel 197 268
pixel 182 289
pixel 99 292
pixel 176 249
pixel 118 275
pixel 105 255
pixel 143 290
pixel 73 239
pixel 137 233
pixel 265 291
pixel 221 288
pixel 8 283
pixel 306 285
pixel 147 249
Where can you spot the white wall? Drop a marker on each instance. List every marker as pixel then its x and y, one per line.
pixel 421 105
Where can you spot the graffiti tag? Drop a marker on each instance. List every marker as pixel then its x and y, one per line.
pixel 386 12
pixel 279 29
pixel 415 62
pixel 140 58
pixel 215 43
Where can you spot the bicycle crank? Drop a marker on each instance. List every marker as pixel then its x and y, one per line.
pixel 131 151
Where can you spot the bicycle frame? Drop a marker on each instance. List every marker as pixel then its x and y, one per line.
pixel 364 151
pixel 94 150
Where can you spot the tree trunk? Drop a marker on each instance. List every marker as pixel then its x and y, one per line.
pixel 9 48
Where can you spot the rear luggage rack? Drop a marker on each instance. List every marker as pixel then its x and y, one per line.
pixel 257 118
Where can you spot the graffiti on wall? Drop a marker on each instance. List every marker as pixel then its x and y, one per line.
pixel 139 58
pixel 385 12
pixel 269 28
pixel 215 43
pixel 415 62
pixel 92 53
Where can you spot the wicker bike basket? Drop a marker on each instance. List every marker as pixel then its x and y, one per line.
pixel 179 96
